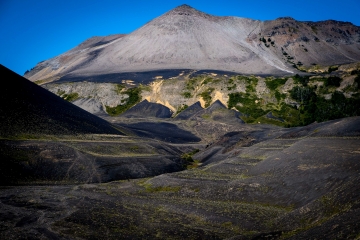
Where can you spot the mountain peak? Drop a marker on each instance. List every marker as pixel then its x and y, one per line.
pixel 185 10
pixel 184 7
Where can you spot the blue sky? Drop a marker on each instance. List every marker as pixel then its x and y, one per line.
pixel 36 30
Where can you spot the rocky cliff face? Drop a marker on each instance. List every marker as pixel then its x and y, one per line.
pixel 185 38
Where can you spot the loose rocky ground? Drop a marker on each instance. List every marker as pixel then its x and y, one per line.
pixel 76 176
pixel 257 182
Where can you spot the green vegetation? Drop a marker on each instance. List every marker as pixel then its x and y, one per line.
pixel 134 98
pixel 150 189
pixel 119 88
pixel 333 68
pixel 39 82
pixel 190 162
pixel 207 80
pixel 314 29
pixel 191 83
pixel 301 79
pixel 70 97
pixel 182 108
pixel 332 81
pixel 186 94
pixel 206 95
pixel 311 105
pixel 251 84
pixel 250 108
pixel 275 83
pixel 279 96
pixel 60 92
pixel 316 108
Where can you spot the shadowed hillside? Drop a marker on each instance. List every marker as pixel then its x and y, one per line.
pixel 27 109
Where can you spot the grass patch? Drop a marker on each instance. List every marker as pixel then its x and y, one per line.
pixel 182 108
pixel 186 94
pixel 190 163
pixel 70 97
pixel 119 88
pixel 134 98
pixel 275 83
pixel 207 80
pixel 39 82
pixel 151 189
pixel 279 96
pixel 206 95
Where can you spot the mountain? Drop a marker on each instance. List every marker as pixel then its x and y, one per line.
pixel 189 112
pixel 147 109
pixel 185 38
pixel 258 182
pixel 28 109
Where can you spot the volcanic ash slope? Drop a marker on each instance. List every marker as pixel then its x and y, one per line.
pixel 185 38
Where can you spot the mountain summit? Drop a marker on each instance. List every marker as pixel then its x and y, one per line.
pixel 185 38
pixel 184 10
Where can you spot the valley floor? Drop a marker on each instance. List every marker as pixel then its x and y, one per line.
pixel 258 182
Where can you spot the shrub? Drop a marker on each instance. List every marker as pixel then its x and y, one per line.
pixel 301 79
pixel 182 108
pixel 333 68
pixel 279 96
pixel 357 80
pixel 187 95
pixel 332 81
pixel 273 84
pixel 206 95
pixel 302 94
pixel 134 98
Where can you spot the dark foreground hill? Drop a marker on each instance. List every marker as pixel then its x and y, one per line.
pixel 29 110
pixel 45 139
pixel 258 182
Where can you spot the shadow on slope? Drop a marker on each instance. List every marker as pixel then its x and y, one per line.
pixel 189 112
pixel 218 112
pixel 69 162
pixel 162 131
pixel 27 109
pixel 147 109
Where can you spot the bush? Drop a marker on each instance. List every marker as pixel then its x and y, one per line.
pixel 302 94
pixel 134 98
pixel 332 81
pixel 187 95
pixel 206 95
pixel 279 96
pixel 273 84
pixel 301 79
pixel 357 80
pixel 333 68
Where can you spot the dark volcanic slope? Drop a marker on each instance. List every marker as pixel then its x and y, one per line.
pixel 147 109
pixel 218 112
pixel 162 131
pixel 26 108
pixel 256 183
pixel 190 111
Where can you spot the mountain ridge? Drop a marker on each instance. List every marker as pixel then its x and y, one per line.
pixel 185 38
